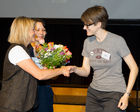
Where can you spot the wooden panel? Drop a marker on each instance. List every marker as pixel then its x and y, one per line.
pixel 68 108
pixel 68 95
pixel 132 98
pixel 72 100
pixel 70 91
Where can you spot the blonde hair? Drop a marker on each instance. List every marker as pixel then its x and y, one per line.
pixel 20 30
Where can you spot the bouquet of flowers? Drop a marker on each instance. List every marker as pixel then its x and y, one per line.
pixel 52 55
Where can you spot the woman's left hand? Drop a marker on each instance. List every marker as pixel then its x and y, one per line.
pixel 123 103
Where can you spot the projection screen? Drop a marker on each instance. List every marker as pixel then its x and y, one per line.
pixel 117 9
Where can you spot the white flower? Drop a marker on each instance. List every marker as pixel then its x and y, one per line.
pixel 48 50
pixel 47 54
pixel 56 46
pixel 61 46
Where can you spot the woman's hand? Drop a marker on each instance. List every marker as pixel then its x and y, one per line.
pixel 67 70
pixel 73 69
pixel 123 103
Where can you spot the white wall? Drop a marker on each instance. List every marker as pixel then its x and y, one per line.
pixel 117 9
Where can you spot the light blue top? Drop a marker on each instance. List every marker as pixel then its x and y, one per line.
pixel 37 62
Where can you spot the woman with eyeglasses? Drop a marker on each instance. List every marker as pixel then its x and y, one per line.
pixel 44 101
pixel 104 51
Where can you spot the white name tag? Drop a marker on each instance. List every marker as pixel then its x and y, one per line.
pixel 105 55
pixel 91 53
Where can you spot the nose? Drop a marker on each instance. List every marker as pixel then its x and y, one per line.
pixel 85 27
pixel 41 31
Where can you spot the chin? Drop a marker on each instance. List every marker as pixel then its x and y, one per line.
pixel 88 34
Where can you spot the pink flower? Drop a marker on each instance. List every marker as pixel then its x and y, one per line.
pixel 46 49
pixel 62 53
pixel 68 53
pixel 52 49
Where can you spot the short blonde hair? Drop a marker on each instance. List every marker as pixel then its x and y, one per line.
pixel 19 31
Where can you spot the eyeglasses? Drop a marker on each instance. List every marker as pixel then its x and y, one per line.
pixel 87 25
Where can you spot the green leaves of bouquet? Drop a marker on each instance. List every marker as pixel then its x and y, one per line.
pixel 53 56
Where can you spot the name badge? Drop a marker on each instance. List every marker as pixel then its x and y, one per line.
pixel 105 55
pixel 91 53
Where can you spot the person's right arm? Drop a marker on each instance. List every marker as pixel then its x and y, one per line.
pixel 42 74
pixel 84 70
pixel 18 56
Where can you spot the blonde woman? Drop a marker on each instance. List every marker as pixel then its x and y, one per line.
pixel 20 73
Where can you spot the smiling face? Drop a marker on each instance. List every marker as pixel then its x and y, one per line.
pixel 40 32
pixel 94 18
pixel 92 29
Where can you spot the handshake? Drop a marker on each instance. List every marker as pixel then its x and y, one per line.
pixel 66 70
